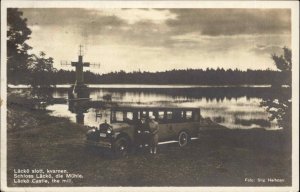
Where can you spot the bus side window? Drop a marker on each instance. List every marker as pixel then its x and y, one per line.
pixel 189 115
pixel 129 115
pixel 161 115
pixel 119 116
pixel 183 116
pixel 169 115
pixel 150 113
pixel 144 114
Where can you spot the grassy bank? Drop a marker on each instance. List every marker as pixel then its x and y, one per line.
pixel 220 157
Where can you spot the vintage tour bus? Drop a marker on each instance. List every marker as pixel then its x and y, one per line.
pixel 124 131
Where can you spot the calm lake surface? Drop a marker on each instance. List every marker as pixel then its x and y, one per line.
pixel 234 107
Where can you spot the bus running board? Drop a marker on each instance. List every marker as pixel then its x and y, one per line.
pixel 168 142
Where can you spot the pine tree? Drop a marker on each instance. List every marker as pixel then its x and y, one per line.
pixel 280 107
pixel 17 48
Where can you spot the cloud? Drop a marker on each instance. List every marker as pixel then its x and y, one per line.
pixel 162 39
pixel 95 18
pixel 262 49
pixel 162 27
pixel 132 16
pixel 216 22
pixel 82 20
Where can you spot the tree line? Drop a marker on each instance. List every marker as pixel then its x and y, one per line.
pixel 188 76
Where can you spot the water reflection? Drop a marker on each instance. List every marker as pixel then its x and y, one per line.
pixel 233 107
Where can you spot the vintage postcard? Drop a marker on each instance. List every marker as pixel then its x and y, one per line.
pixel 149 95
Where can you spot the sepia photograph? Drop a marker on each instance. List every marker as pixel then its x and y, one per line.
pixel 149 94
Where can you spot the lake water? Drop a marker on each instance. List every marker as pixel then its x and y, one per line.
pixel 233 107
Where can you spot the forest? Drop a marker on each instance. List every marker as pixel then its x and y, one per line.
pixel 189 76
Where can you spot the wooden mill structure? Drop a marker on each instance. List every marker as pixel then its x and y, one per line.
pixel 79 68
pixel 78 93
pixel 79 90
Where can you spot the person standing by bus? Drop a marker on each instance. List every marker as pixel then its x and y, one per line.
pixel 154 128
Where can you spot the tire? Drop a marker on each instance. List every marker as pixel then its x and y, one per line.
pixel 121 147
pixel 184 139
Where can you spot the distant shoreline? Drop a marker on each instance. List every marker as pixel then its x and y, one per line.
pixel 20 86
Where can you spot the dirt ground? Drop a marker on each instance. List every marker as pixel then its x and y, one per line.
pixel 220 157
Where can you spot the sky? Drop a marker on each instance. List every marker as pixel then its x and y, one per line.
pixel 161 39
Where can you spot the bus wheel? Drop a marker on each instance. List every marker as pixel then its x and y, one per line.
pixel 121 147
pixel 183 139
